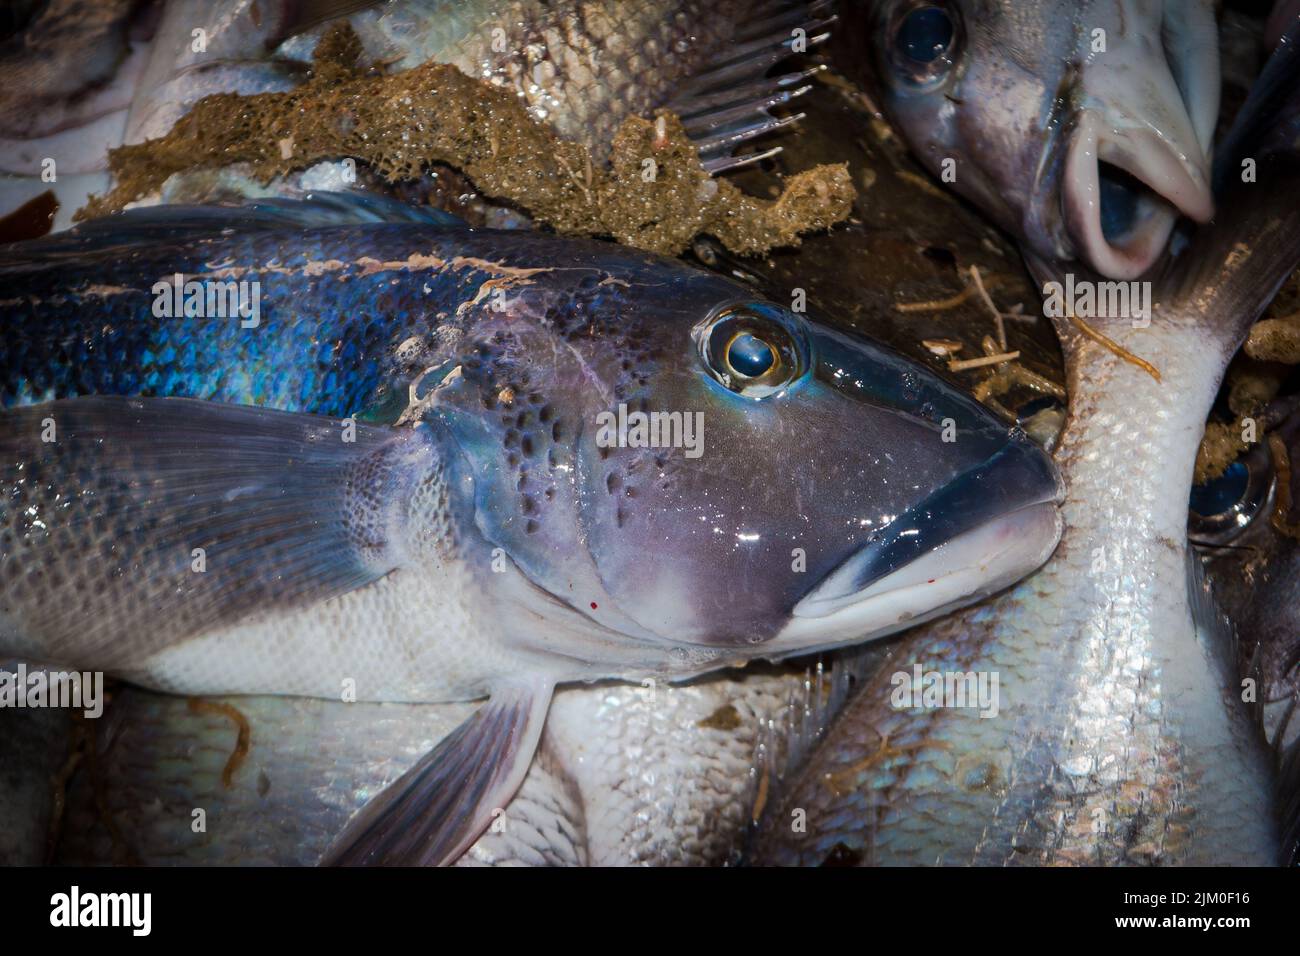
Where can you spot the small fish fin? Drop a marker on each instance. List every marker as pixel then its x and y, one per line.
pixel 141 522
pixel 785 743
pixel 730 104
pixel 1233 267
pixel 1213 627
pixel 437 809
pixel 173 222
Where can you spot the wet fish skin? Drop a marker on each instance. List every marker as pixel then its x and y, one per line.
pixel 1037 117
pixel 1121 736
pixel 581 67
pixel 667 790
pixel 59 65
pixel 67 77
pixel 309 766
pixel 498 548
pixel 1253 573
pixel 681 797
pixel 1118 739
pixel 121 348
pixel 1253 579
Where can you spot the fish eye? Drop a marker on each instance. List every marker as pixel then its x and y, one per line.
pixel 752 349
pixel 923 41
pixel 924 34
pixel 749 356
pixel 1223 507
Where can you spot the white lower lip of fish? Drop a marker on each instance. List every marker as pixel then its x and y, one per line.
pixel 961 570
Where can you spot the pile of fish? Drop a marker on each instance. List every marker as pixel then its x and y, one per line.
pixel 406 541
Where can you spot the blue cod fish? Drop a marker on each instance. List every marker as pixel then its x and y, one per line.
pixel 1121 733
pixel 1083 128
pixel 411 461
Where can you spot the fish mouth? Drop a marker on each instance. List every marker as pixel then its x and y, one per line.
pixel 982 531
pixel 1122 193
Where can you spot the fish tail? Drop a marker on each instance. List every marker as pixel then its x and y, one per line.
pixel 1231 269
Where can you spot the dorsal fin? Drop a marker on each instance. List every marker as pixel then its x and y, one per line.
pixel 169 222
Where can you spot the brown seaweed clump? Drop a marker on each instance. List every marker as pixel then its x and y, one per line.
pixel 654 194
pixel 1254 379
pixel 1221 445
pixel 1276 336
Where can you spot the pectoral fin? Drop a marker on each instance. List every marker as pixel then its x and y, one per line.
pixel 434 812
pixel 136 523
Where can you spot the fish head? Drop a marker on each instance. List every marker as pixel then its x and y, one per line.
pixel 682 463
pixel 1083 128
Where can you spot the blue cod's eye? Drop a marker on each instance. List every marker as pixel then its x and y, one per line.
pixel 924 34
pixel 753 349
pixel 922 41
pixel 749 356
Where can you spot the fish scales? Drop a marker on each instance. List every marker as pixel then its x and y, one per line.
pixel 581 66
pixel 332 326
pixel 190 505
pixel 1104 684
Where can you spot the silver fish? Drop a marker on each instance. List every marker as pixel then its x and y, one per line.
pixel 666 781
pixel 584 67
pixel 625 774
pixel 580 67
pixel 1252 559
pixel 1084 128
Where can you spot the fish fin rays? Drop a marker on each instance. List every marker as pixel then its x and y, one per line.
pixel 163 518
pixel 730 104
pixel 1233 267
pixel 437 809
pixel 786 744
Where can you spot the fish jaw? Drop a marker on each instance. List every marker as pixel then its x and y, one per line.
pixel 1138 154
pixel 1176 187
pixel 980 533
pixel 1052 136
pixel 768 533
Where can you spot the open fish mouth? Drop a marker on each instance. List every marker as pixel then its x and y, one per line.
pixel 1122 192
pixel 982 531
